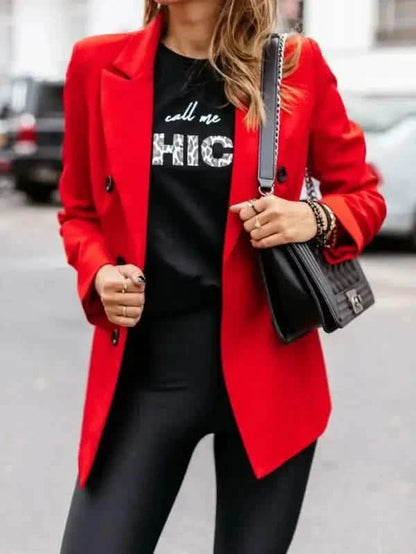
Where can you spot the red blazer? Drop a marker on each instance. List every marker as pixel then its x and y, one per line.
pixel 279 394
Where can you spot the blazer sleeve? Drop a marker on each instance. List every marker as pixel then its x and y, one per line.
pixel 337 159
pixel 79 224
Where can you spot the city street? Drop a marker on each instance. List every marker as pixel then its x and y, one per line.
pixel 362 493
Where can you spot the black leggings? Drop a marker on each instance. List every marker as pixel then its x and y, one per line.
pixel 171 394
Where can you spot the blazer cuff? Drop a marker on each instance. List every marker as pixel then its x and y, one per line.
pixel 90 300
pixel 350 241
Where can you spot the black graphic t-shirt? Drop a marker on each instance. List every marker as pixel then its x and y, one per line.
pixel 192 155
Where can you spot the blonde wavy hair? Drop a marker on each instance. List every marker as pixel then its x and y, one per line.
pixel 242 29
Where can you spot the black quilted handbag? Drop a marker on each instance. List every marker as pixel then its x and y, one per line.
pixel 303 290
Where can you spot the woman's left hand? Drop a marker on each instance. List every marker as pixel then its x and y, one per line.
pixel 281 221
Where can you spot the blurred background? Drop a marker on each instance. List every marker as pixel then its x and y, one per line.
pixel 362 494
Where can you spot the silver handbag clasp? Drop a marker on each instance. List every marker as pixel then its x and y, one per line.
pixel 355 300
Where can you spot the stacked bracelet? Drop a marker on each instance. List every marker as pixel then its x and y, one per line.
pixel 326 235
pixel 331 232
pixel 320 224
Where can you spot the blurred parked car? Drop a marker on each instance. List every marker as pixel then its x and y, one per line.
pixel 389 124
pixel 35 126
pixel 5 163
pixel 3 133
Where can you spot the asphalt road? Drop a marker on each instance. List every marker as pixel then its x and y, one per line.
pixel 362 493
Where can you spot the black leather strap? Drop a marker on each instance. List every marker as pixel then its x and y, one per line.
pixel 268 132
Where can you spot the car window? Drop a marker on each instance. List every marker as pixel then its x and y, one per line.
pixel 18 96
pixel 50 100
pixel 377 115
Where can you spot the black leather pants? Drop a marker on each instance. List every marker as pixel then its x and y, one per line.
pixel 171 394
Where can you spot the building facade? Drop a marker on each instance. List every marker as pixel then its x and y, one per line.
pixel 36 36
pixel 371 44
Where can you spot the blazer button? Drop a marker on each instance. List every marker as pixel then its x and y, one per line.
pixel 109 183
pixel 120 260
pixel 281 174
pixel 115 333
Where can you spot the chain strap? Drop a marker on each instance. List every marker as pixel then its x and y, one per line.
pixel 309 185
pixel 280 63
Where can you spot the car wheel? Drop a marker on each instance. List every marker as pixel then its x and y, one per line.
pixel 38 194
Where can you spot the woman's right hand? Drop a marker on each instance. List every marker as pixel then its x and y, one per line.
pixel 122 308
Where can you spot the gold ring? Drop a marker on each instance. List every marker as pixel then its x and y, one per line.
pixel 124 286
pixel 124 311
pixel 257 224
pixel 251 204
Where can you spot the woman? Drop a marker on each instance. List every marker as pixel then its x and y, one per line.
pixel 162 221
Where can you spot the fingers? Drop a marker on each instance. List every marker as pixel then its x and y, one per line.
pixel 270 241
pixel 119 299
pixel 269 230
pixel 126 316
pixel 124 280
pixel 127 285
pixel 123 321
pixel 121 286
pixel 122 293
pixel 133 273
pixel 127 312
pixel 265 230
pixel 278 222
pixel 272 233
pixel 120 281
pixel 257 221
pixel 246 211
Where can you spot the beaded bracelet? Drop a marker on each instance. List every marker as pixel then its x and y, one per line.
pixel 325 209
pixel 320 224
pixel 331 233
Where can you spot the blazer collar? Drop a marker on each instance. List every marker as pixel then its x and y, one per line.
pixel 137 56
pixel 128 133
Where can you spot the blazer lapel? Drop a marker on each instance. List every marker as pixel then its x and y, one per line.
pixel 127 115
